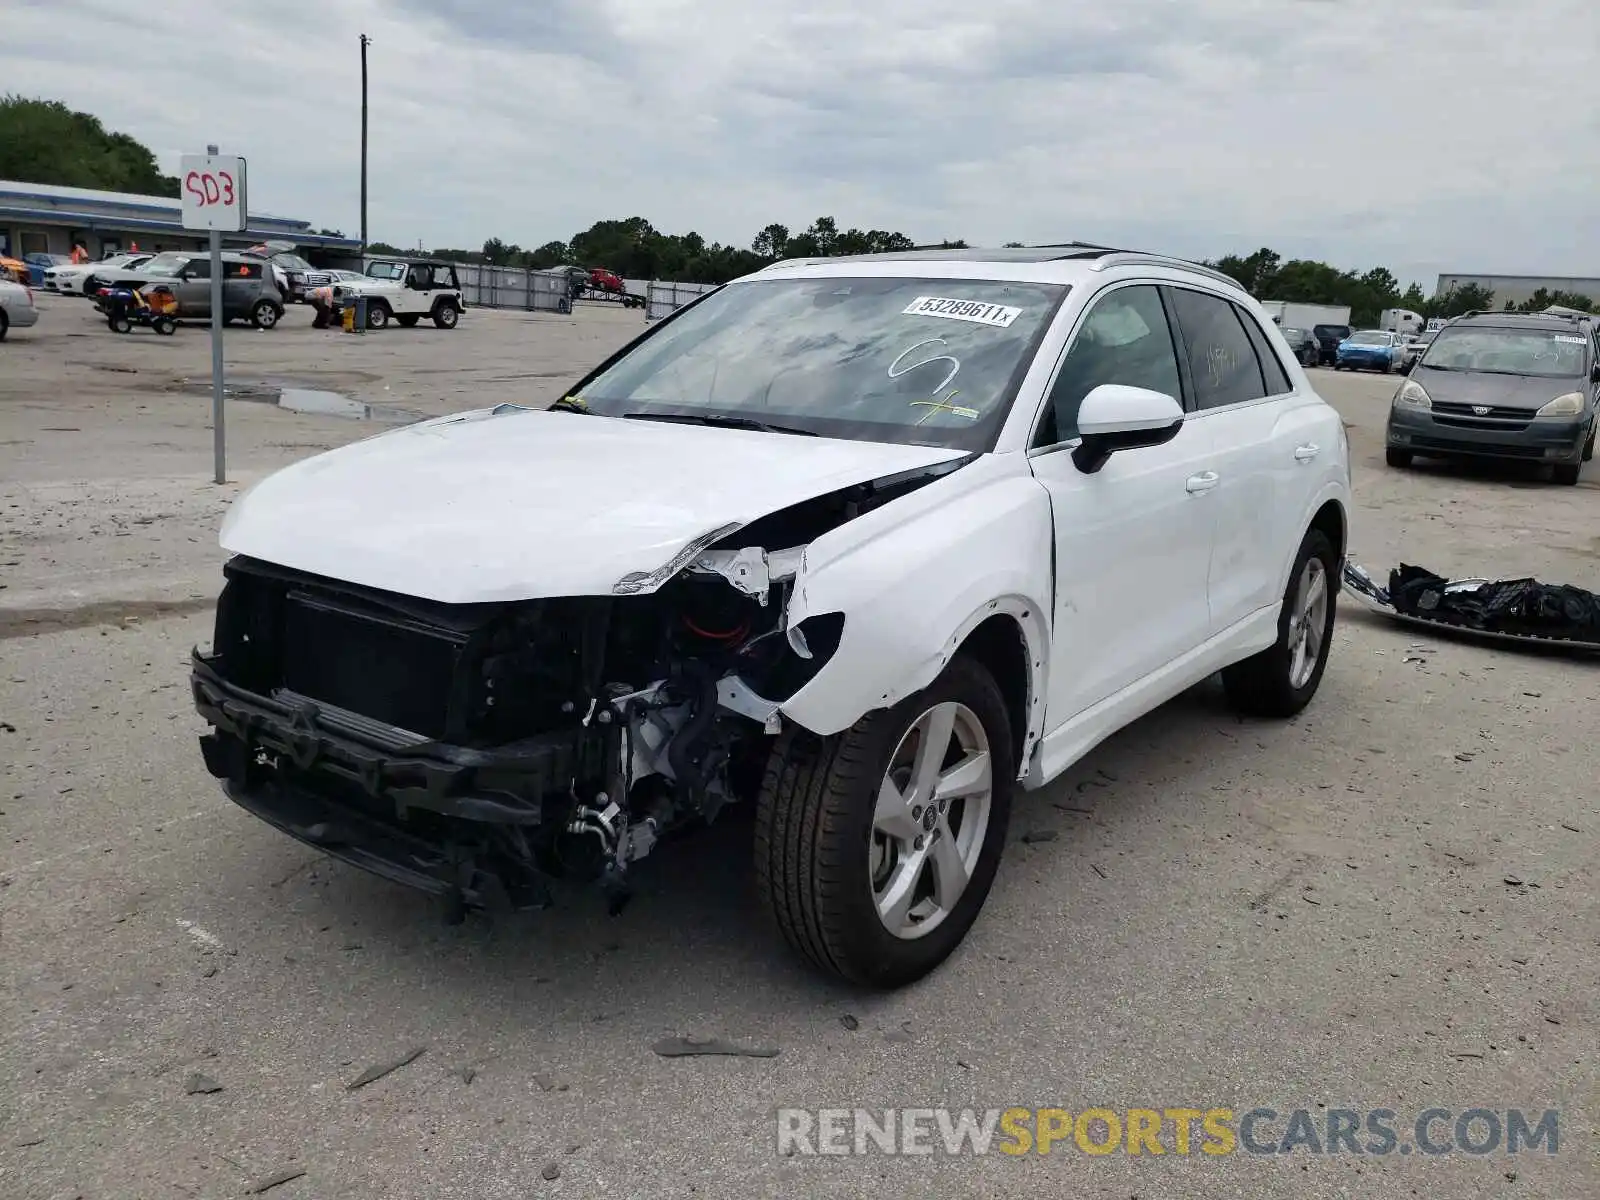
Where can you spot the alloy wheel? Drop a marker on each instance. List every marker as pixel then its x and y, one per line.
pixel 1308 622
pixel 931 819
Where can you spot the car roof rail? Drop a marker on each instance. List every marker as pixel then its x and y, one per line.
pixel 1137 258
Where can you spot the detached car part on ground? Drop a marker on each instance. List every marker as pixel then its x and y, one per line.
pixel 865 542
pixel 1505 386
pixel 1518 610
pixel 403 291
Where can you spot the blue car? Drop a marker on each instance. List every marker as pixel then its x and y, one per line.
pixel 39 263
pixel 1370 350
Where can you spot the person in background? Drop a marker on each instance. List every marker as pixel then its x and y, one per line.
pixel 80 254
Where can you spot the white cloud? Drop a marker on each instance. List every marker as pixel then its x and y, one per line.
pixel 1441 134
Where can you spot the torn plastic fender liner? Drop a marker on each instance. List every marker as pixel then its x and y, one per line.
pixel 916 579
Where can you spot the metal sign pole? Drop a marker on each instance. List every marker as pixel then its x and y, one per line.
pixel 218 436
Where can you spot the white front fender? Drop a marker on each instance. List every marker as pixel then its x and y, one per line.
pixel 915 578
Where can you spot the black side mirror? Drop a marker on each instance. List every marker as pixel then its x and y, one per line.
pixel 1594 373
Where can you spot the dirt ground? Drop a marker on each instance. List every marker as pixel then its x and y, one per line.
pixel 1389 902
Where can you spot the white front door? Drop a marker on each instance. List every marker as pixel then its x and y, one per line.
pixel 1132 540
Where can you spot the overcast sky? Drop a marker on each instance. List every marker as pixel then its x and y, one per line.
pixel 1428 135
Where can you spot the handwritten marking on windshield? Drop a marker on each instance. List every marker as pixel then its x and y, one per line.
pixel 936 406
pixel 896 370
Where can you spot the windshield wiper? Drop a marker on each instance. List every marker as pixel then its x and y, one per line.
pixel 722 419
pixel 568 404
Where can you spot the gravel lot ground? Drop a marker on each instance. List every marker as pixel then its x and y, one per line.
pixel 1388 903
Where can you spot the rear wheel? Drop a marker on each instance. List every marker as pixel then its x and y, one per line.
pixel 1566 474
pixel 446 314
pixel 875 848
pixel 1397 458
pixel 120 323
pixel 165 326
pixel 1280 681
pixel 264 315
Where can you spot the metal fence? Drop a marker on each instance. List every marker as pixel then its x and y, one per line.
pixel 483 286
pixel 663 298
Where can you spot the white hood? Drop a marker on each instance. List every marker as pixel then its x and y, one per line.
pixel 478 507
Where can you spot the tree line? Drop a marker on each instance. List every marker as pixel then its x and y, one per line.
pixel 1266 276
pixel 635 249
pixel 44 141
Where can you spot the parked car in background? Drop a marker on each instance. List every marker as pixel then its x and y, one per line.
pixel 248 290
pixel 72 279
pixel 298 274
pixel 405 291
pixel 1522 386
pixel 14 270
pixel 1415 348
pixel 1369 350
pixel 1304 343
pixel 1328 339
pixel 16 307
pixel 881 539
pixel 38 264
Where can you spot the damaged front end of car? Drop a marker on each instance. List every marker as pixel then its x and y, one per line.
pixel 480 751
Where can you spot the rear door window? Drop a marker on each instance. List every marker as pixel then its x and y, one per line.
pixel 1223 366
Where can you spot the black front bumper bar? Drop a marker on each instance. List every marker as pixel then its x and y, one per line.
pixel 416 814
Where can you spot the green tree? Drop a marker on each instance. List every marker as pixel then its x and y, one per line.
pixel 44 141
pixel 1469 297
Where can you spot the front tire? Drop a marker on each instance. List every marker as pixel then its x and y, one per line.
pixel 875 848
pixel 1566 474
pixel 1588 446
pixel 1397 458
pixel 1280 680
pixel 378 314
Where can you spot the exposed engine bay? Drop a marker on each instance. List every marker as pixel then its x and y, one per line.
pixel 479 750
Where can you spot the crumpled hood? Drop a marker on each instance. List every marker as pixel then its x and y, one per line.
pixel 482 507
pixel 1476 387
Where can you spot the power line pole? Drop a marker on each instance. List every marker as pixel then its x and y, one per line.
pixel 365 42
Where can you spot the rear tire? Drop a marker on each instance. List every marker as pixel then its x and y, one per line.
pixel 446 314
pixel 265 314
pixel 1397 458
pixel 1280 680
pixel 121 324
pixel 165 326
pixel 1565 474
pixel 845 857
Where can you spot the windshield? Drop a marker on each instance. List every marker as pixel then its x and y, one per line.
pixel 1547 353
pixel 165 265
pixel 1369 337
pixel 922 361
pixel 292 262
pixel 386 270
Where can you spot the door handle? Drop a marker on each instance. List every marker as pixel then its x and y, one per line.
pixel 1202 482
pixel 1307 452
